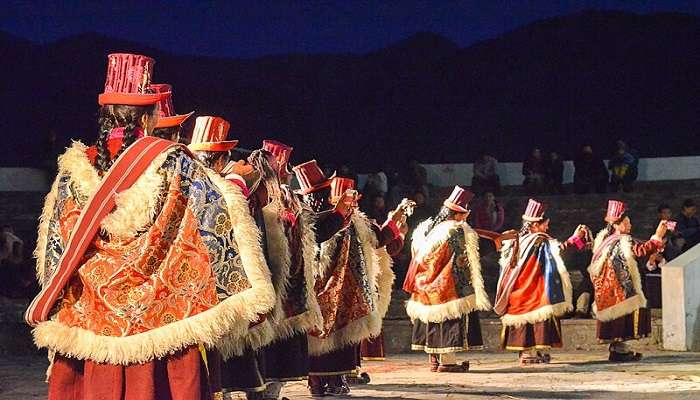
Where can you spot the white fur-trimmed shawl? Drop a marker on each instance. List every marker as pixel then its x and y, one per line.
pixel 551 310
pixel 379 264
pixel 631 304
pixel 426 245
pixel 231 316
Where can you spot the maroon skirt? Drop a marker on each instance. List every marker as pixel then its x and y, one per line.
pixel 632 326
pixel 540 335
pixel 181 376
pixel 450 336
pixel 373 349
pixel 338 362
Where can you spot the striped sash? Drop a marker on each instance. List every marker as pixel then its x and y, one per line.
pixel 123 173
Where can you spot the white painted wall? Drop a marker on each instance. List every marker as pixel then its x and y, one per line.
pixel 680 280
pixel 24 180
pixel 650 169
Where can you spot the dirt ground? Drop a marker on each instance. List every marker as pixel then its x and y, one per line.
pixel 572 375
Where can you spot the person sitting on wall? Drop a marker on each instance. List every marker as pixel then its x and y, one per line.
pixel 485 178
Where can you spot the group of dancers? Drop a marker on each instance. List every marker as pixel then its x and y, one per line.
pixel 534 289
pixel 177 272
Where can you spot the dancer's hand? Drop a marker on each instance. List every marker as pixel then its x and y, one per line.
pixel 661 229
pixel 347 203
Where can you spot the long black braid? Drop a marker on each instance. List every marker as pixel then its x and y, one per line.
pixel 210 158
pixel 318 200
pixel 610 227
pixel 170 133
pixel 442 216
pixel 260 160
pixel 118 116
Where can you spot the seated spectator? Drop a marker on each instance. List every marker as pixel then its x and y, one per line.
pixel 16 278
pixel 417 177
pixel 652 280
pixel 421 211
pixel 488 213
pixel 533 170
pixel 623 170
pixel 485 178
pixel 554 174
pixel 673 247
pixel 590 173
pixel 377 209
pixel 376 185
pixel 688 225
pixel 11 247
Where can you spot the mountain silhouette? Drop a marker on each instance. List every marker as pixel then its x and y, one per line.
pixel 590 77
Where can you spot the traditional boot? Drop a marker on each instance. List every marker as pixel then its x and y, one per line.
pixel 316 386
pixel 337 386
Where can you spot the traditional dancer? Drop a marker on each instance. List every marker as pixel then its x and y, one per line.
pixel 353 283
pixel 291 251
pixel 242 368
pixel 446 287
pixel 134 285
pixel 287 358
pixel 534 288
pixel 620 305
pixel 169 125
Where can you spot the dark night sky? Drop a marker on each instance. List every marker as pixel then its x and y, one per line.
pixel 254 28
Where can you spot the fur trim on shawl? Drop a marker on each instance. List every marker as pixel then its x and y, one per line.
pixel 278 255
pixel 631 304
pixel 312 318
pixel 231 317
pixel 552 310
pixel 377 265
pixel 545 312
pixel 135 208
pixel 479 300
pixel 42 239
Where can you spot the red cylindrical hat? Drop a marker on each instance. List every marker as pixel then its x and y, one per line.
pixel 339 186
pixel 311 177
pixel 615 210
pixel 459 200
pixel 167 118
pixel 210 135
pixel 281 152
pixel 128 80
pixel 534 211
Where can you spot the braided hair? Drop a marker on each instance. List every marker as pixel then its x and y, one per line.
pixel 170 133
pixel 210 158
pixel 260 160
pixel 610 227
pixel 318 200
pixel 118 116
pixel 527 226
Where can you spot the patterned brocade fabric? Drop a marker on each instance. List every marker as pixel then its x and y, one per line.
pixel 614 284
pixel 183 263
pixel 444 275
pixel 344 293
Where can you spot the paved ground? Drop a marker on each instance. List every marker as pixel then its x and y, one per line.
pixel 571 376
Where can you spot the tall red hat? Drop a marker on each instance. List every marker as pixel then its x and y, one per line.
pixel 615 210
pixel 534 212
pixel 167 118
pixel 459 200
pixel 339 186
pixel 281 152
pixel 311 177
pixel 128 80
pixel 210 135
